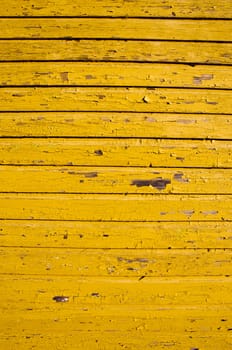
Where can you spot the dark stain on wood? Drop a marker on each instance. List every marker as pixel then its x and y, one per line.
pixel 64 76
pixel 60 299
pixel 158 183
pixel 98 152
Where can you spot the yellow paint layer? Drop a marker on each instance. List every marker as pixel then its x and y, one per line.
pixel 78 234
pixel 114 180
pixel 25 337
pixel 170 29
pixel 115 99
pixel 115 50
pixel 120 152
pixel 116 207
pixel 115 124
pixel 114 74
pixel 37 293
pixel 116 262
pixel 136 338
pixel 114 8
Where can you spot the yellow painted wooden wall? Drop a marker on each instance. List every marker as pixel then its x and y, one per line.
pixel 115 174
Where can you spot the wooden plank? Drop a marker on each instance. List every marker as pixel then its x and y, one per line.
pixel 115 50
pixel 115 99
pixel 36 334
pixel 114 74
pixel 113 124
pixel 187 313
pixel 42 179
pixel 103 28
pixel 116 262
pixel 37 293
pixel 116 207
pixel 120 152
pixel 74 234
pixel 158 298
pixel 114 8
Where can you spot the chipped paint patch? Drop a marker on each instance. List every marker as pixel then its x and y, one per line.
pixel 197 80
pixel 64 76
pixel 210 212
pixel 179 177
pixel 158 183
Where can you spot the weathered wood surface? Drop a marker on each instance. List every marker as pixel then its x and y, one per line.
pixel 115 174
pixel 80 234
pixel 105 28
pixel 116 50
pixel 152 153
pixel 116 262
pixel 105 291
pixel 43 179
pixel 51 334
pixel 113 338
pixel 116 124
pixel 114 74
pixel 97 207
pixel 114 8
pixel 115 99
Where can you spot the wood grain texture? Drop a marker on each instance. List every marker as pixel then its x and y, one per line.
pixel 116 124
pixel 115 99
pixel 116 262
pixel 42 179
pixel 114 8
pixel 114 74
pixel 123 235
pixel 116 50
pixel 125 207
pixel 103 28
pixel 120 152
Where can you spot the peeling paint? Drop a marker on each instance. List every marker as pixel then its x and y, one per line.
pixel 198 79
pixel 179 177
pixel 64 76
pixel 210 212
pixel 188 212
pixel 158 183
